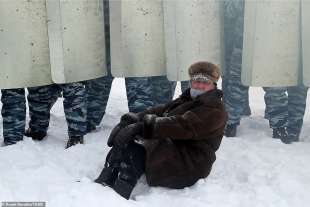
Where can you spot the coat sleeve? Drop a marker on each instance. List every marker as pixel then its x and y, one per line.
pixel 195 124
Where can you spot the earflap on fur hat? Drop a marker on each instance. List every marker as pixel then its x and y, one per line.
pixel 205 69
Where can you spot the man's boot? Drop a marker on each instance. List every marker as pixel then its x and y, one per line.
pixel 231 130
pixel 131 169
pixel 126 180
pixel 35 135
pixel 292 136
pixel 279 133
pixel 73 140
pixel 111 168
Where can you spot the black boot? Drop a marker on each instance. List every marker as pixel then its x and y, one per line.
pixel 35 135
pixel 9 142
pixel 279 133
pixel 231 130
pixel 289 139
pixel 126 181
pixel 110 171
pixel 107 176
pixel 73 140
pixel 131 169
pixel 292 136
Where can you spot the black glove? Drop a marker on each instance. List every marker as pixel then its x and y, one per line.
pixel 129 118
pixel 127 134
pixel 114 132
pixel 126 119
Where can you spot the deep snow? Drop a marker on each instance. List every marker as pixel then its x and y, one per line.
pixel 251 170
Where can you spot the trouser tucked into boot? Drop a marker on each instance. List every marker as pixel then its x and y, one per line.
pixel 123 168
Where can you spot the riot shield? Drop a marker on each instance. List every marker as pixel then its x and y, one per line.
pixel 192 33
pixel 50 41
pixel 271 44
pixel 306 40
pixel 137 38
pixel 76 39
pixel 24 52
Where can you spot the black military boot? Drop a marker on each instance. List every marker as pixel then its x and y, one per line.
pixel 9 142
pixel 292 136
pixel 73 140
pixel 231 130
pixel 279 133
pixel 35 135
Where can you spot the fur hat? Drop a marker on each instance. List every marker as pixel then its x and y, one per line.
pixel 204 71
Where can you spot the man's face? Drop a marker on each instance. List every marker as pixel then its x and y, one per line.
pixel 205 86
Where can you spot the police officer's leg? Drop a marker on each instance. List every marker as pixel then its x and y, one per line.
pixel 246 107
pixel 184 85
pixel 297 96
pixel 75 111
pixel 40 100
pixel 277 110
pixel 98 91
pixel 139 93
pixel 162 89
pixel 236 93
pixel 13 115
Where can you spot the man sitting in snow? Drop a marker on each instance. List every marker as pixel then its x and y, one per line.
pixel 178 140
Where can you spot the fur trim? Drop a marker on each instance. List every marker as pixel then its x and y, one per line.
pixel 204 68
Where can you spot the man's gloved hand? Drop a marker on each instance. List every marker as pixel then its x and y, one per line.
pixel 127 134
pixel 129 118
pixel 126 119
pixel 113 133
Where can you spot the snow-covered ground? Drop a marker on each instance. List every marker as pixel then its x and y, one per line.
pixel 252 170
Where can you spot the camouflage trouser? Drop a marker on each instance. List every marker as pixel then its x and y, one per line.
pixel 162 89
pixel 184 85
pixel 13 114
pixel 97 91
pixel 285 107
pixel 236 95
pixel 41 99
pixel 150 91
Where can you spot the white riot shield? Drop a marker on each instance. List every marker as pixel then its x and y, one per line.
pixel 69 48
pixel 24 52
pixel 192 33
pixel 306 41
pixel 271 45
pixel 137 38
pixel 76 39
